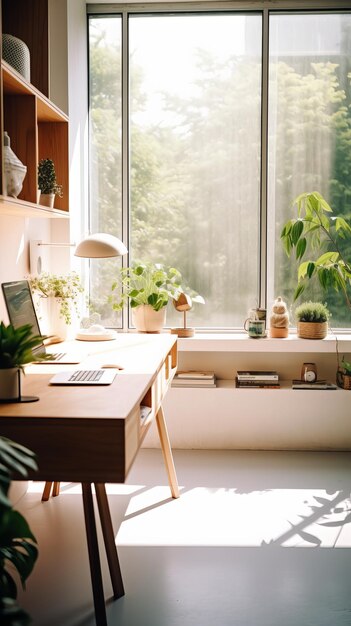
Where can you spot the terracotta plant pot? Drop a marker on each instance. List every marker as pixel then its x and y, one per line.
pixel 312 330
pixel 146 320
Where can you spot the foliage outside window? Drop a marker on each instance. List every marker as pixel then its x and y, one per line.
pixel 194 147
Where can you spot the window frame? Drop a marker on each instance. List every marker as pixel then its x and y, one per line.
pixel 265 8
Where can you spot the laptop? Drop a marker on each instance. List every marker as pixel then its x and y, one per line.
pixel 84 377
pixel 21 310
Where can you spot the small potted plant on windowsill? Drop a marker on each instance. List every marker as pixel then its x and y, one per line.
pixel 47 183
pixel 16 350
pixel 312 320
pixel 148 287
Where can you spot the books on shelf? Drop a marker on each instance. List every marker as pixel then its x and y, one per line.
pixel 318 384
pixel 257 379
pixel 257 375
pixel 257 384
pixel 194 379
pixel 194 374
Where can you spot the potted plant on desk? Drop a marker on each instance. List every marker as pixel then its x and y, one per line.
pixel 16 350
pixel 61 294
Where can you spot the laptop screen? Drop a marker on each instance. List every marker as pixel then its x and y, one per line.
pixel 20 307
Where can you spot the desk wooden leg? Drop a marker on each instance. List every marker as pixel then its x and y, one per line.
pixel 46 491
pixel 94 558
pixel 109 540
pixel 167 452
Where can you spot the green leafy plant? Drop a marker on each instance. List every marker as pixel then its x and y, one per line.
pixel 47 182
pixel 65 288
pixel 147 283
pixel 312 312
pixel 315 229
pixel 18 546
pixel 346 367
pixel 16 346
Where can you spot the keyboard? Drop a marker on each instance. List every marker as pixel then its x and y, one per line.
pixel 86 375
pixel 56 356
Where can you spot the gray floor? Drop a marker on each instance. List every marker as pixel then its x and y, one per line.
pixel 256 539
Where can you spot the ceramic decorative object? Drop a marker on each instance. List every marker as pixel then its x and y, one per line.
pixel 255 328
pixel 16 53
pixel 14 170
pixel 146 320
pixel 183 304
pixel 279 320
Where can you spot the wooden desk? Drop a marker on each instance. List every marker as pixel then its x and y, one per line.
pixel 91 435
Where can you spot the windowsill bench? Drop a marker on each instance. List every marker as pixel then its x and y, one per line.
pixel 230 418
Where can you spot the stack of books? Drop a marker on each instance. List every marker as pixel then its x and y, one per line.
pixel 194 379
pixel 317 384
pixel 257 379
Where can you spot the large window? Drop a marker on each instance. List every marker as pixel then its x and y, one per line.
pixel 309 132
pixel 185 162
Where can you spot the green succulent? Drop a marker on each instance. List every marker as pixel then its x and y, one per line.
pixel 16 346
pixel 312 312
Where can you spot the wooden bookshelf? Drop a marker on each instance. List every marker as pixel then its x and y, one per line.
pixel 37 127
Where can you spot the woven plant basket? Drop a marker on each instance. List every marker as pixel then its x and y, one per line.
pixel 343 380
pixel 312 330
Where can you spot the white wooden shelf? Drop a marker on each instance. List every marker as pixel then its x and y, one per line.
pixel 226 417
pixel 256 419
pixel 242 343
pixel 285 386
pixel 22 208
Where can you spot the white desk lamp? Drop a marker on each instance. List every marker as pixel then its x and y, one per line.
pixel 99 246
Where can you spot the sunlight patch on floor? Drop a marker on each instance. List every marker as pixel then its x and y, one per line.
pixel 224 517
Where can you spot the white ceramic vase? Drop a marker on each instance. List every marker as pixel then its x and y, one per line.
pixel 56 324
pixel 14 170
pixel 47 199
pixel 9 383
pixel 147 320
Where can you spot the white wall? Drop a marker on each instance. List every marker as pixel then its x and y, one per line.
pixel 16 232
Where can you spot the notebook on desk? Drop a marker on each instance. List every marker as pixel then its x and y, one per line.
pixel 21 310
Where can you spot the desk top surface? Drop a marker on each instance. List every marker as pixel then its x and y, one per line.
pixel 140 356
